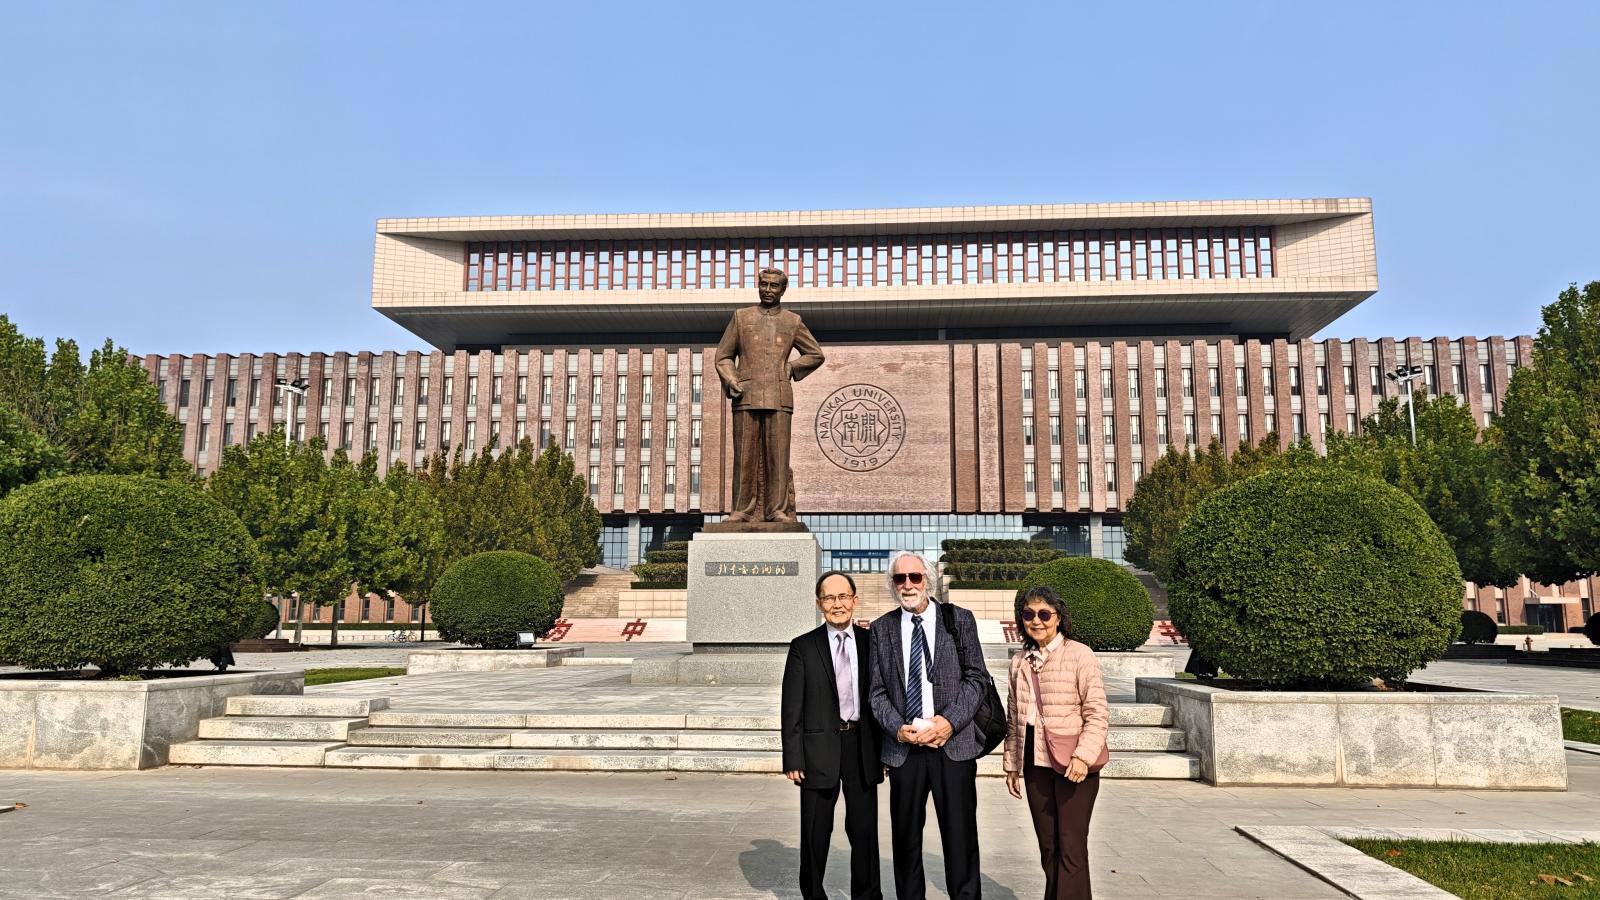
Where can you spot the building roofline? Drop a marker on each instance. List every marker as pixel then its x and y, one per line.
pixel 1172 213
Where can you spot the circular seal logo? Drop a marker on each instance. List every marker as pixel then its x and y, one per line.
pixel 860 427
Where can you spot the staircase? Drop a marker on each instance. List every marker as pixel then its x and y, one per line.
pixel 873 598
pixel 337 732
pixel 593 593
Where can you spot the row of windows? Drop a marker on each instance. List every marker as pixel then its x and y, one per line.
pixel 647 385
pixel 1375 381
pixel 375 436
pixel 1128 254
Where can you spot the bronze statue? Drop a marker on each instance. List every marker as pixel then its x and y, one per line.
pixel 754 366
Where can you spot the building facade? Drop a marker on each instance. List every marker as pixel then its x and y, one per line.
pixel 991 371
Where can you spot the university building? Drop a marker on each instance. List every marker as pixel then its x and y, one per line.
pixel 1004 371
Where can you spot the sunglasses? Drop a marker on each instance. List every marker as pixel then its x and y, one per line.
pixel 912 577
pixel 1043 615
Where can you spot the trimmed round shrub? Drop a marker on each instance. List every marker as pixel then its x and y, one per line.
pixel 1110 608
pixel 263 623
pixel 1314 577
pixel 1591 629
pixel 487 598
pixel 123 573
pixel 1478 628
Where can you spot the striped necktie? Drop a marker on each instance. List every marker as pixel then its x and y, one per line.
pixel 919 649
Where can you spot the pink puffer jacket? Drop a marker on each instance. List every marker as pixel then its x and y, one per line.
pixel 1074 703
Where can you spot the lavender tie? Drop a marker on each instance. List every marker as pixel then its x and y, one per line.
pixel 843 681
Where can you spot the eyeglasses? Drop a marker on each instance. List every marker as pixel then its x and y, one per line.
pixel 1043 614
pixel 831 599
pixel 903 577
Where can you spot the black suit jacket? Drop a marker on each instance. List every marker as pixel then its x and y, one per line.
pixel 810 715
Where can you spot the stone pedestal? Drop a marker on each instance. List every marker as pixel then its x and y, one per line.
pixel 751 592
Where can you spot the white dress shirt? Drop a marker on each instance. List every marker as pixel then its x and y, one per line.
pixel 849 654
pixel 930 630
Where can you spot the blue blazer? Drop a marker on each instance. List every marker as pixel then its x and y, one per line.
pixel 958 684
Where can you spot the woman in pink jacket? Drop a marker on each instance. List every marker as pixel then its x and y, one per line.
pixel 1057 744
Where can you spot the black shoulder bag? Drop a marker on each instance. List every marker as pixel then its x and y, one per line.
pixel 991 716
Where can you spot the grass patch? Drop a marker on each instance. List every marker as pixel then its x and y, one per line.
pixel 1580 725
pixel 334 676
pixel 1477 871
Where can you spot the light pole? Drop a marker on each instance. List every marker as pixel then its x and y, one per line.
pixel 292 388
pixel 1404 375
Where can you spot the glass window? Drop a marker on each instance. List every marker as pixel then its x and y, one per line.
pixel 1161 384
pixel 1027 384
pixel 1133 384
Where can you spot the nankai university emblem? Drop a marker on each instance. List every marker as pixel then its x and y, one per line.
pixel 860 427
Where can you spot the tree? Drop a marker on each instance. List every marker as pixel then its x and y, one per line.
pixel 327 525
pixel 1451 472
pixel 103 418
pixel 416 555
pixel 1548 435
pixel 521 500
pixel 25 455
pixel 1164 497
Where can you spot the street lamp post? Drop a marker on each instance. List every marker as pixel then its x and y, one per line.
pixel 292 388
pixel 1404 375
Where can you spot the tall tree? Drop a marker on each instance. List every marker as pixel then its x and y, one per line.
pixel 415 557
pixel 1548 434
pixel 103 418
pixel 25 455
pixel 1450 472
pixel 520 500
pixel 1177 482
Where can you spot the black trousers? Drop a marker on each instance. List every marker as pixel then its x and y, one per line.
pixel 954 786
pixel 860 827
pixel 1061 812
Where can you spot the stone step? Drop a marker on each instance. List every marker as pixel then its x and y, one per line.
pixel 1120 739
pixel 250 753
pixel 1122 715
pixel 1123 765
pixel 278 728
pixel 305 707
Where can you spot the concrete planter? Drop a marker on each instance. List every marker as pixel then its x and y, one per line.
pixel 423 662
pixel 1465 739
pixel 118 724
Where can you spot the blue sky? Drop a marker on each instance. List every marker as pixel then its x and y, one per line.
pixel 204 177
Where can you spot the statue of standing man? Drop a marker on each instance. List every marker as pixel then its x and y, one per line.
pixel 754 366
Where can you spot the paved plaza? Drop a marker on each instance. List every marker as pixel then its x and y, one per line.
pixel 221 832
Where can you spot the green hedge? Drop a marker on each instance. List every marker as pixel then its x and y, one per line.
pixel 670 572
pixel 985 571
pixel 123 573
pixel 1314 577
pixel 1522 629
pixel 667 556
pixel 986 585
pixel 1022 554
pixel 961 545
pixel 660 585
pixel 1477 628
pixel 1110 608
pixel 676 545
pixel 486 599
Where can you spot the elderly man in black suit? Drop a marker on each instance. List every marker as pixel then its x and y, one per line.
pixel 927 685
pixel 830 740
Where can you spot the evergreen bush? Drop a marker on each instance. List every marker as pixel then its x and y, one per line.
pixel 123 573
pixel 487 598
pixel 1478 628
pixel 1110 608
pixel 1314 577
pixel 1591 629
pixel 653 573
pixel 262 623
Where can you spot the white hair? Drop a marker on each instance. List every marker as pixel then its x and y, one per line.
pixel 930 570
